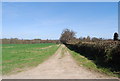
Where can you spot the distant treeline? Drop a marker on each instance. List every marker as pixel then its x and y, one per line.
pixel 22 41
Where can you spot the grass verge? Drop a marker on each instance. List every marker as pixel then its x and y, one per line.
pixel 16 58
pixel 89 64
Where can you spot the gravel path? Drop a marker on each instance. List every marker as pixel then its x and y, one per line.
pixel 58 67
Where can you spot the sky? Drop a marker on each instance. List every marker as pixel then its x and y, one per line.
pixel 60 0
pixel 47 20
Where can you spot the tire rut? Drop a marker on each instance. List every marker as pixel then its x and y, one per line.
pixel 58 67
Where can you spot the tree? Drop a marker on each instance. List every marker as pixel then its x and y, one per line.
pixel 94 39
pixel 66 36
pixel 88 39
pixel 115 36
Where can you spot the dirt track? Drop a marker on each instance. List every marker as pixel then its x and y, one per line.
pixel 58 66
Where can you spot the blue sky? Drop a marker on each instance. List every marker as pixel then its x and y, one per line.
pixel 29 20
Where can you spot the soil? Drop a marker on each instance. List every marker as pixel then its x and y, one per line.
pixel 58 67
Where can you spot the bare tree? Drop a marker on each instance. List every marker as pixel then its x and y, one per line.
pixel 67 35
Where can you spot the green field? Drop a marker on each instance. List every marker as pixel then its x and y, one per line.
pixel 18 57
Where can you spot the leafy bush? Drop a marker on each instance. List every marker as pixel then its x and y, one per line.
pixel 102 52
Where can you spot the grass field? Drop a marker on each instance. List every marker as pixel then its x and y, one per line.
pixel 17 57
pixel 89 64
